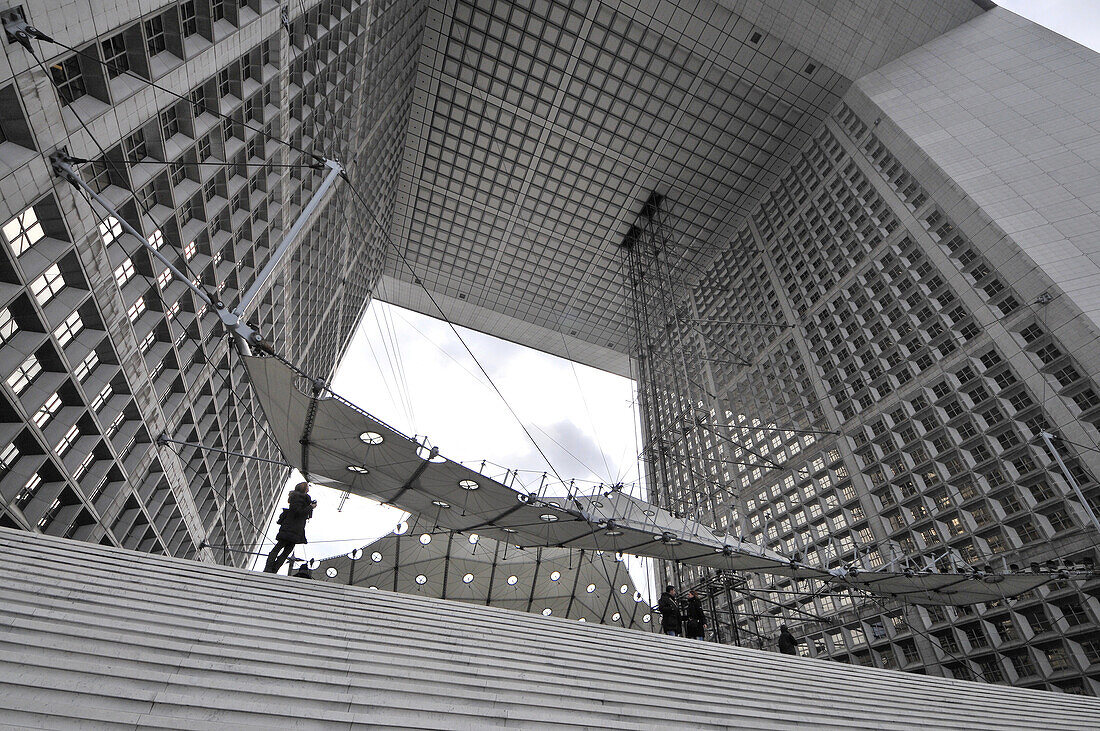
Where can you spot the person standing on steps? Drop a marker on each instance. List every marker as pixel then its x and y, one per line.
pixel 788 645
pixel 292 526
pixel 304 571
pixel 695 621
pixel 670 612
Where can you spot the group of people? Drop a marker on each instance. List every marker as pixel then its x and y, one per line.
pixel 678 620
pixel 689 620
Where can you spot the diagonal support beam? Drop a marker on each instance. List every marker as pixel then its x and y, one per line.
pixel 233 320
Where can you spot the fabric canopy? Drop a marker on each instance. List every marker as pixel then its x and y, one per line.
pixel 337 444
pixel 472 568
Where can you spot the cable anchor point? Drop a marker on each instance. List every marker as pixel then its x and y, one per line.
pixel 18 30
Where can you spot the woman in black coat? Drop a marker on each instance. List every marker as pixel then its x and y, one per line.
pixel 292 526
pixel 695 621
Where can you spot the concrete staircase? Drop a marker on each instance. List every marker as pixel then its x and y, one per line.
pixel 96 637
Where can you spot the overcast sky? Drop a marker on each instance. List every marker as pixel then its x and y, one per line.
pixel 1078 20
pixel 412 372
pixel 582 418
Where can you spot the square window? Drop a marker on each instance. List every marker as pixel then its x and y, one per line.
pixel 135 147
pixel 66 442
pixel 101 397
pixel 98 174
pixel 46 287
pixel 169 123
pixel 24 375
pixel 225 86
pixel 177 172
pixel 86 366
pixel 68 80
pixel 147 197
pixel 190 18
pixel 124 272
pixel 114 56
pixel 110 229
pixel 136 309
pixel 47 411
pixel 23 231
pixel 8 325
pixel 69 329
pixel 155 41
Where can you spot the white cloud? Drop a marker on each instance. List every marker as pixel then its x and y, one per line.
pixel 412 372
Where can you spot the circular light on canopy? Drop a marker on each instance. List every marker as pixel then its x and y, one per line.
pixel 373 587
pixel 331 572
pixel 597 504
pixel 613 532
pixel 555 576
pixel 401 528
pixel 650 513
pixel 421 578
pixel 358 469
pixel 355 554
pixel 615 617
pixel 622 589
pixel 512 580
pixel 467 578
pixel 370 437
pixel 468 485
pixel 582 619
pixel 473 539
pixel 547 612
pixel 548 517
pixel 637 596
pixel 590 588
pixel 509 530
pixel 441 504
pixel 645 618
pixel 425 539
pixel 619 555
pixel 376 557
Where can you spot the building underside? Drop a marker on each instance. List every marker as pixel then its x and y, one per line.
pixel 876 239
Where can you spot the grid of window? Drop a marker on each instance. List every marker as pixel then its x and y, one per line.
pixel 939 421
pixel 228 242
pixel 477 149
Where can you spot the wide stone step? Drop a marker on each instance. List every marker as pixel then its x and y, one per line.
pixel 99 637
